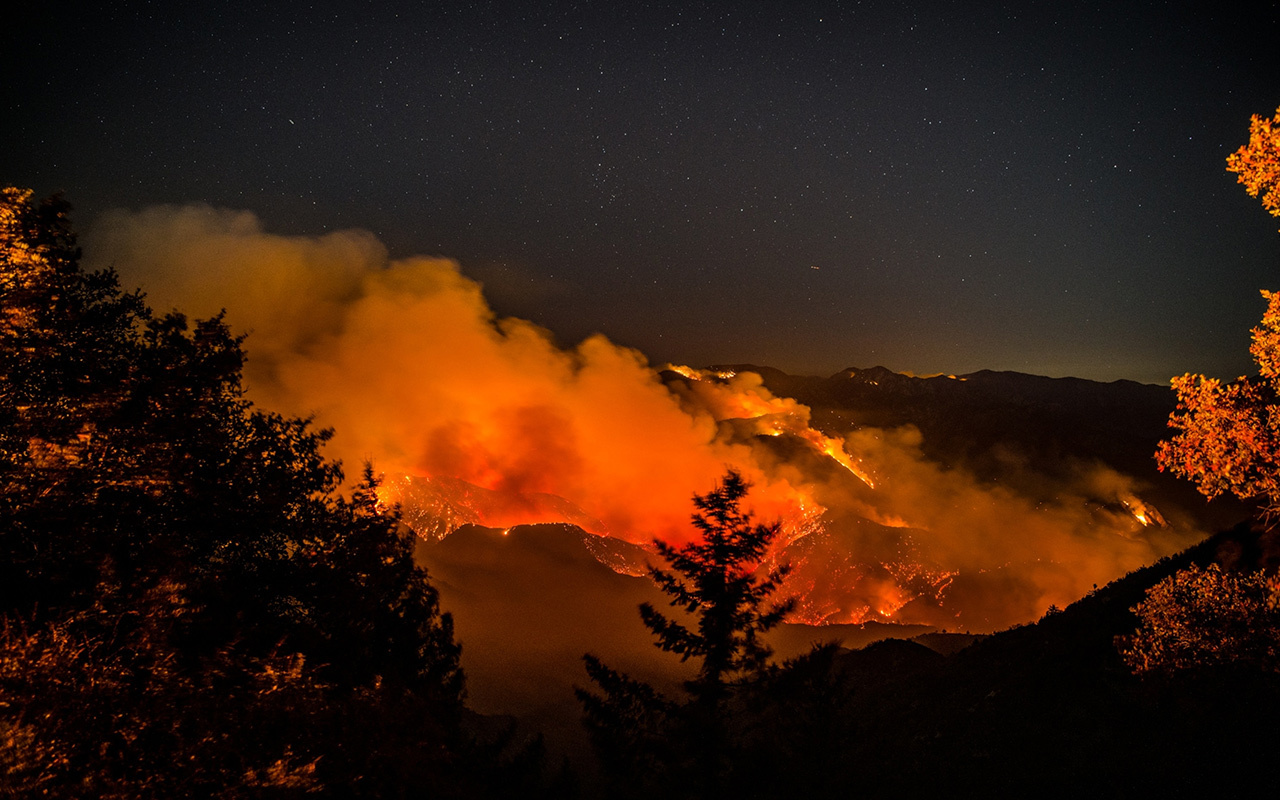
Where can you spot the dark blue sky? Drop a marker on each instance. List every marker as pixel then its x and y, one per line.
pixel 1028 186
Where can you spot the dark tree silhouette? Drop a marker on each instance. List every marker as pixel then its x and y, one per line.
pixel 715 581
pixel 188 607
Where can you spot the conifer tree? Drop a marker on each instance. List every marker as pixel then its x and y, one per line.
pixel 715 581
pixel 714 578
pixel 188 607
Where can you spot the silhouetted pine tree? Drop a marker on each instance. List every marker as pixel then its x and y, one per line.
pixel 644 738
pixel 187 605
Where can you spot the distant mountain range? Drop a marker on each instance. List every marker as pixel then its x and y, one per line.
pixel 981 419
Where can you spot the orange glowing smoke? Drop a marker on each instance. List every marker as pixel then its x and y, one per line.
pixel 406 361
pixel 726 394
pixel 480 419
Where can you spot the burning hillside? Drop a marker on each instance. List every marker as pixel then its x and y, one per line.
pixel 484 420
pixel 861 550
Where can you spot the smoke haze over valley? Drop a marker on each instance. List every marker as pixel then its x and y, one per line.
pixel 974 502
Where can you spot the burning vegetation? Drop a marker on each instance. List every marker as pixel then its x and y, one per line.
pixel 475 419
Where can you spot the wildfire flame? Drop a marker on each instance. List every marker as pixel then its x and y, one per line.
pixel 488 421
pixel 1145 514
pixel 835 450
pixel 733 395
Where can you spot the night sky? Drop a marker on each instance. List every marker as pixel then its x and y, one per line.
pixel 934 187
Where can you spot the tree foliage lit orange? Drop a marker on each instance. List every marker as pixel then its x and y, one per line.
pixel 188 606
pixel 1229 439
pixel 1257 164
pixel 1204 617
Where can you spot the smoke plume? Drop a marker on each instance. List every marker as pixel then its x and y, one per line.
pixel 407 362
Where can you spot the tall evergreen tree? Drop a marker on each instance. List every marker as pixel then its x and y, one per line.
pixel 714 578
pixel 187 605
pixel 726 603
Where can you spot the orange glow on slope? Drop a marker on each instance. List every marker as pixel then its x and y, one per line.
pixel 509 469
pixel 486 420
pixel 1145 514
pixel 835 450
pixel 732 395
